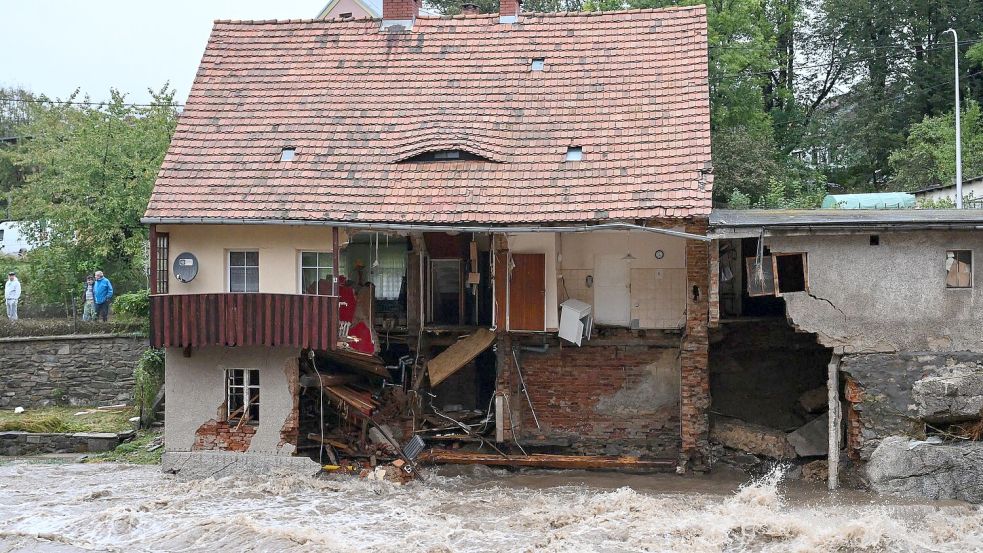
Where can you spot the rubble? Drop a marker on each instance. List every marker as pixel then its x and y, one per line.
pixel 816 471
pixel 815 400
pixel 751 438
pixel 812 438
pixel 922 470
pixel 953 394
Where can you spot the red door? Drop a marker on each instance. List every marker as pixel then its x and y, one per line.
pixel 527 292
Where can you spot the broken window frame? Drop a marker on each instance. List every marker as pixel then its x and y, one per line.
pixel 247 387
pixel 771 286
pixel 967 260
pixel 805 271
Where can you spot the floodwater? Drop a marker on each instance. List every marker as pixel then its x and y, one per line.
pixel 72 507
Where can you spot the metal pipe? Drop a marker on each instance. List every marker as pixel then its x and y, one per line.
pixel 959 145
pixel 421 227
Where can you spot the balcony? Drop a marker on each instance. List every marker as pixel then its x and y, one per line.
pixel 195 320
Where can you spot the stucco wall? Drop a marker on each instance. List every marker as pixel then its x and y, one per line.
pixel 279 249
pixel 195 391
pixel 974 188
pixel 889 297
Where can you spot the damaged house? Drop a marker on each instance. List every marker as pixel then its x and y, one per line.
pixel 878 307
pixel 486 231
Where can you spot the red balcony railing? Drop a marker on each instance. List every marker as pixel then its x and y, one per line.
pixel 183 320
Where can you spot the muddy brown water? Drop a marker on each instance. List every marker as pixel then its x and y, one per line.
pixel 105 507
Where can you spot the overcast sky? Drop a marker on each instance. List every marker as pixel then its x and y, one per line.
pixel 53 47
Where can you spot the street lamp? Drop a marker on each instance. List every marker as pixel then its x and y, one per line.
pixel 959 144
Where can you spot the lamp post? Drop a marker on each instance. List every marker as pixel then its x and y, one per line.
pixel 959 144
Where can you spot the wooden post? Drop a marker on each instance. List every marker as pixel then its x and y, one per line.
pixel 152 269
pixel 833 389
pixel 335 264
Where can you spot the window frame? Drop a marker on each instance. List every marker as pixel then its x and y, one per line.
pixel 317 267
pixel 246 386
pixel 161 261
pixel 805 271
pixel 956 260
pixel 228 270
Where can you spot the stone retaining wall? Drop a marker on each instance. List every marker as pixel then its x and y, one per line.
pixel 31 443
pixel 74 370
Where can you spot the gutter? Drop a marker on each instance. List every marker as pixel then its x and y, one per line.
pixel 407 227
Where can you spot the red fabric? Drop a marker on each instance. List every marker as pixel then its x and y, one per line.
pixel 364 335
pixel 346 305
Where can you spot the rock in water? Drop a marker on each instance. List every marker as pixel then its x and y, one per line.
pixel 911 469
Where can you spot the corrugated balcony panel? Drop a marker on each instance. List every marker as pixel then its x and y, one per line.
pixel 234 319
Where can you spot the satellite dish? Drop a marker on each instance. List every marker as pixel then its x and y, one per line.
pixel 186 267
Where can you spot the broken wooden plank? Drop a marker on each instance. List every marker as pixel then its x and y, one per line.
pixel 458 355
pixel 338 379
pixel 443 456
pixel 362 362
pixel 314 437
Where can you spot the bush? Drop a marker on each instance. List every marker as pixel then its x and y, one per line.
pixel 149 377
pixel 63 327
pixel 135 305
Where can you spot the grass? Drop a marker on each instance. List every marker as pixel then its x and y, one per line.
pixel 64 419
pixel 133 451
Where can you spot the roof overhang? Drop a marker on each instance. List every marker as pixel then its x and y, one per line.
pixel 753 223
pixel 423 227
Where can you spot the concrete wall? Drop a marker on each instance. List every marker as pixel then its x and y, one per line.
pixel 279 249
pixel 195 410
pixel 76 370
pixel 890 297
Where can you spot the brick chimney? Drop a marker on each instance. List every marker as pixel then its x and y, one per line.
pixel 508 11
pixel 401 13
pixel 470 9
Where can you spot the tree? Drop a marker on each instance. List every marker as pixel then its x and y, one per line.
pixel 929 155
pixel 90 170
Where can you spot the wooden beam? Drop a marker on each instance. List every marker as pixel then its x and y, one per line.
pixel 442 456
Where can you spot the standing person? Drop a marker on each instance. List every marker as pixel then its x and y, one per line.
pixel 102 293
pixel 89 299
pixel 11 293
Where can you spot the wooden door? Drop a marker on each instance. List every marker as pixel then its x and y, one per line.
pixel 527 292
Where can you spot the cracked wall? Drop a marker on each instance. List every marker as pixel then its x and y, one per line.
pixel 889 297
pixel 195 407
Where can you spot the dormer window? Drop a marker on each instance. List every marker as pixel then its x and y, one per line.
pixel 446 155
pixel 287 154
pixel 575 153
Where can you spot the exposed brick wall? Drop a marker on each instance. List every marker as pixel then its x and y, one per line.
pixel 219 435
pixel 695 376
pixel 616 394
pixel 290 431
pixel 854 395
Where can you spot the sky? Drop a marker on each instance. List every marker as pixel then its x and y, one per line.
pixel 52 47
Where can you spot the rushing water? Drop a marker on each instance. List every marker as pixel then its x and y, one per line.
pixel 70 508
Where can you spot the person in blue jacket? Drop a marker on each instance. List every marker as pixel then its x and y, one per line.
pixel 103 292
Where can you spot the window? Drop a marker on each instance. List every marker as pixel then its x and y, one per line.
pixel 244 271
pixel 538 64
pixel 875 240
pixel 1 235
pixel 760 278
pixel 447 155
pixel 779 273
pixel 575 153
pixel 287 154
pixel 959 269
pixel 242 399
pixel 388 275
pixel 346 15
pixel 316 270
pixel 160 263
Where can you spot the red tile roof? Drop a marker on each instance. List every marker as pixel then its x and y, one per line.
pixel 629 87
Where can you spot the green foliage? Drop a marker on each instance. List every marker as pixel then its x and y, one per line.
pixel 739 200
pixel 929 155
pixel 792 194
pixel 941 203
pixel 89 173
pixel 133 305
pixel 133 451
pixel 65 419
pixel 64 327
pixel 149 377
